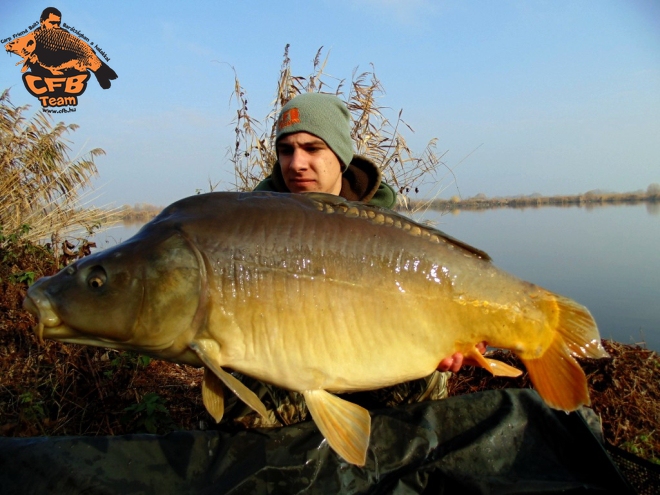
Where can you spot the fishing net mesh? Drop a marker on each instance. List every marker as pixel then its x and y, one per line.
pixel 643 475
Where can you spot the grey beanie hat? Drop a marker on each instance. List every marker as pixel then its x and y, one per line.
pixel 323 115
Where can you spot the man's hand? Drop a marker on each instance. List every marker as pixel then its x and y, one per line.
pixel 455 362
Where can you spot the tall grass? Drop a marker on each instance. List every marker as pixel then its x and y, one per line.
pixel 40 186
pixel 375 135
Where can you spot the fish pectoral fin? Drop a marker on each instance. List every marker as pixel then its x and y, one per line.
pixel 497 368
pixel 346 426
pixel 242 392
pixel 209 352
pixel 213 395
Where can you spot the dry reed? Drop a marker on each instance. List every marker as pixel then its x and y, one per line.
pixel 39 184
pixel 374 134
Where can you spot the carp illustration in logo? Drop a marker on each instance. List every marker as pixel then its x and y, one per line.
pixel 50 51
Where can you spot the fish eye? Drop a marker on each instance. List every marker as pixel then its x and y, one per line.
pixel 97 278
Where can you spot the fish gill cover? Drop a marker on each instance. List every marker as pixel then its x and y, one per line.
pixel 56 64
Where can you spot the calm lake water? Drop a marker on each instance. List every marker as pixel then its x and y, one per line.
pixel 606 258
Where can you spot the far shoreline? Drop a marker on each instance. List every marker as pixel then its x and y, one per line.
pixel 588 200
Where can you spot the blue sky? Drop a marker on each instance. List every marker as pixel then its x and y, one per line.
pixel 554 97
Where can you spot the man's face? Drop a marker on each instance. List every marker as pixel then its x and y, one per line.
pixel 308 164
pixel 51 22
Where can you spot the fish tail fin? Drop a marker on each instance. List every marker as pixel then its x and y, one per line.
pixel 346 426
pixel 556 374
pixel 104 75
pixel 578 329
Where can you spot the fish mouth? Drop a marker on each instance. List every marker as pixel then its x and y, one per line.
pixel 49 325
pixel 41 308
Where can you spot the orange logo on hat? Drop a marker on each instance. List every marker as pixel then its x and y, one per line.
pixel 290 117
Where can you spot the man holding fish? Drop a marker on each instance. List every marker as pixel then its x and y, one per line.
pixel 313 144
pixel 315 154
pixel 314 294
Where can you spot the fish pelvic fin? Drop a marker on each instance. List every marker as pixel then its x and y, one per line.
pixel 213 395
pixel 209 352
pixel 346 426
pixel 495 367
pixel 556 375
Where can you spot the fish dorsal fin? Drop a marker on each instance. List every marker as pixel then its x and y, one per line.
pixel 208 351
pixel 346 426
pixel 466 247
pixel 330 203
pixel 497 368
pixel 213 395
pixel 331 199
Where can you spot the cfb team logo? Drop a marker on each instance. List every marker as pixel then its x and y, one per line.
pixel 56 63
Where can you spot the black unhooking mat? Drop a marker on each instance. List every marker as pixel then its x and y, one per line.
pixel 500 441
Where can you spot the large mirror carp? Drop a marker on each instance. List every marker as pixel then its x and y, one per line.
pixel 314 294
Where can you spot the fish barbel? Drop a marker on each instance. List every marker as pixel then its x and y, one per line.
pixel 314 294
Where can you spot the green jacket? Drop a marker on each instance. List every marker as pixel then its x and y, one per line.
pixel 362 181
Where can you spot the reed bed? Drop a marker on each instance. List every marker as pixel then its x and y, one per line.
pixel 41 187
pixel 140 212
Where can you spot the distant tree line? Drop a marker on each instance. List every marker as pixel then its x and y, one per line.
pixel 594 197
